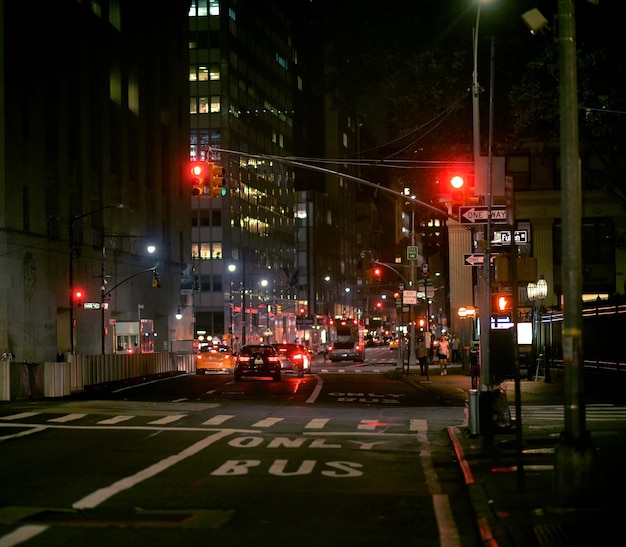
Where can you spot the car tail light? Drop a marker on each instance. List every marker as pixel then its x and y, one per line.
pixel 273 359
pixel 245 358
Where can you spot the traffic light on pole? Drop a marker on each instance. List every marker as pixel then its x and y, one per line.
pixel 458 190
pixel 199 173
pixel 377 273
pixel 78 297
pixel 217 184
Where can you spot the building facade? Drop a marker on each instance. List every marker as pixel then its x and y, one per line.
pixel 91 159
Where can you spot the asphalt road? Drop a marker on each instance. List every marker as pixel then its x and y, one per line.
pixel 352 455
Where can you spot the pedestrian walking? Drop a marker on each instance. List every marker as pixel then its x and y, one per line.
pixel 422 356
pixel 443 352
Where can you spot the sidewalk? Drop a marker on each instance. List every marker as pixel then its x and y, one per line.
pixel 510 479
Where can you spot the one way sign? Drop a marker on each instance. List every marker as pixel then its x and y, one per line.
pixel 480 213
pixel 474 260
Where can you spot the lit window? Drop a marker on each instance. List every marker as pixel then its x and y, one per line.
pixel 215 103
pixel 203 73
pixel 203 105
pixel 214 73
pixel 192 74
pixel 214 7
pixel 193 105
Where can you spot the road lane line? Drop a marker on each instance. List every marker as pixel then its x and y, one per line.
pixel 99 496
pixel 316 392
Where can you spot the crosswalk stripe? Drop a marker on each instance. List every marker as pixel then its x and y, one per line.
pixel 367 425
pixel 168 419
pixel 267 422
pixel 317 423
pixel 115 420
pixel 20 416
pixel 218 420
pixel 67 418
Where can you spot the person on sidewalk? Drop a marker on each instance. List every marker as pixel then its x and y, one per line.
pixel 443 351
pixel 422 356
pixel 455 345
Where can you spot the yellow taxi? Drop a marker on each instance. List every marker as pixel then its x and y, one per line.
pixel 217 358
pixel 394 343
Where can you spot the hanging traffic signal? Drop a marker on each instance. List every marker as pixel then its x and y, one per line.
pixel 78 298
pixel 376 274
pixel 458 191
pixel 156 284
pixel 501 303
pixel 379 305
pixel 199 174
pixel 217 186
pixel 421 322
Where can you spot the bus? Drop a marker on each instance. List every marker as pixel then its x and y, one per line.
pixel 347 340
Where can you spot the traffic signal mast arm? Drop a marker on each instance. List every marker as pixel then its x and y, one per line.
pixel 153 270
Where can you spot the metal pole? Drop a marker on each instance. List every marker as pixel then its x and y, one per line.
pixel 575 465
pixel 412 361
pixel 71 284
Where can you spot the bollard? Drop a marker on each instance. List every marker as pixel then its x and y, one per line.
pixel 473 417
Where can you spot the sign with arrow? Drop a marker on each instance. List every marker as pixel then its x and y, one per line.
pixel 479 215
pixel 474 259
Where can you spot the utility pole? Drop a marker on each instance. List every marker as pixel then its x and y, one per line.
pixel 575 463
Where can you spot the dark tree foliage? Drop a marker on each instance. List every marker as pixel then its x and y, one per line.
pixel 407 69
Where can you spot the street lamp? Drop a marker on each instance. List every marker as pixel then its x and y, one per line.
pixel 537 292
pixel 462 315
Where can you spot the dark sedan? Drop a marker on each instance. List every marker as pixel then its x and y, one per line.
pixel 258 360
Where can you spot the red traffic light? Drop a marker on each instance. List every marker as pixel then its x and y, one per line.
pixel 199 174
pixel 379 305
pixel 458 189
pixel 78 296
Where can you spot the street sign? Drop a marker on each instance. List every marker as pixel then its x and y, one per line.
pixel 503 237
pixel 409 297
pixel 478 214
pixel 91 305
pixel 411 252
pixel 474 260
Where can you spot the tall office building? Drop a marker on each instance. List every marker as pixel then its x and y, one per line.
pixel 92 145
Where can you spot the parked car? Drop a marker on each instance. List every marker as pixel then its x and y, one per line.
pixel 294 358
pixel 217 358
pixel 258 360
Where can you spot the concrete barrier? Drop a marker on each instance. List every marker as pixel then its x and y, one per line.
pixel 5 380
pixel 59 379
pixel 56 380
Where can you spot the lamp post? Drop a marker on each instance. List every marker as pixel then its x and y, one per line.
pixel 71 229
pixel 462 311
pixel 537 292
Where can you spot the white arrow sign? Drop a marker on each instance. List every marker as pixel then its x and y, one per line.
pixel 479 215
